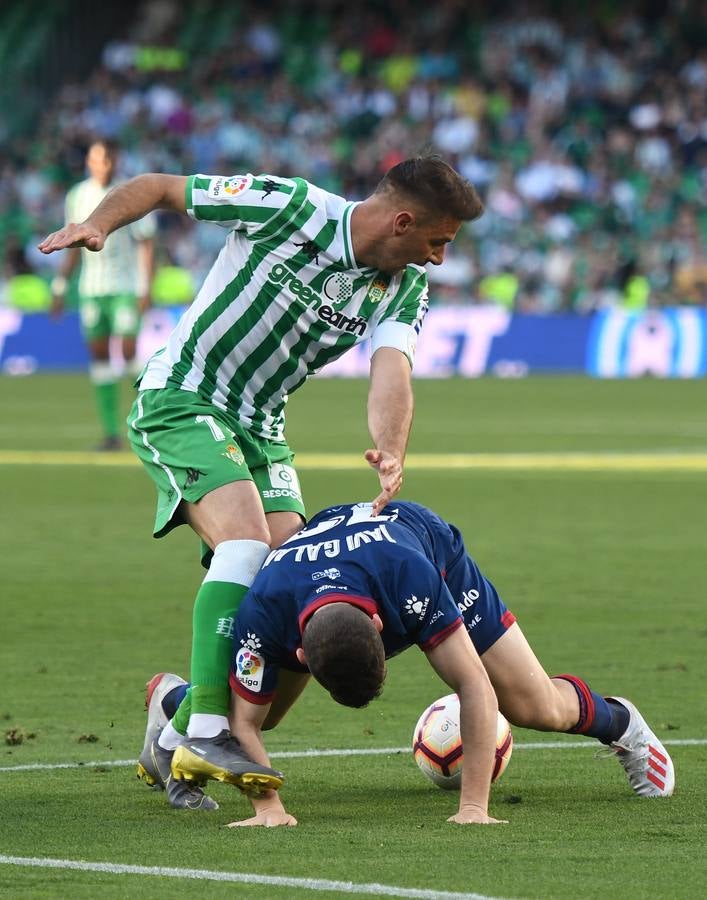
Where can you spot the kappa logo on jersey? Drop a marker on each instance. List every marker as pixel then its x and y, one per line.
pixel 416 607
pixel 333 574
pixel 310 250
pixel 338 288
pixel 270 185
pixel 249 669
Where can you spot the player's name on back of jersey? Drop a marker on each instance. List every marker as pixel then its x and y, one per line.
pixel 332 547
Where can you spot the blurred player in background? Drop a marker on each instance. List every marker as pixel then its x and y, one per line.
pixel 303 276
pixel 114 287
pixel 353 589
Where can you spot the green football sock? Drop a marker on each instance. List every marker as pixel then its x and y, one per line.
pixel 107 402
pixel 212 645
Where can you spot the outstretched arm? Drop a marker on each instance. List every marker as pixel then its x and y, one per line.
pixel 456 661
pixel 124 204
pixel 390 408
pixel 248 720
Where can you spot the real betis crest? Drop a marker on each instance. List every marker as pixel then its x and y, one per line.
pixel 377 290
pixel 233 451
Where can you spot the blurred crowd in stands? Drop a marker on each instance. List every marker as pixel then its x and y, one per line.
pixel 584 127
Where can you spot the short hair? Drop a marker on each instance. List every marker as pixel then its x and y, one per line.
pixel 110 146
pixel 345 653
pixel 430 182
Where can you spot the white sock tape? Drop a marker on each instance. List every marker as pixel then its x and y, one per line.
pixel 237 562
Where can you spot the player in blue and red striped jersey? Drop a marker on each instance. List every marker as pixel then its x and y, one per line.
pixel 353 589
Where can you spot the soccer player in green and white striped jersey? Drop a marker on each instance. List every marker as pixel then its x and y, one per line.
pixel 303 275
pixel 113 285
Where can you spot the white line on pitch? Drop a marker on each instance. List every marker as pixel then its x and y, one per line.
pixel 586 744
pixel 309 884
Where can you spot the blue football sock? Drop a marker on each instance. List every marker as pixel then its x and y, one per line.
pixel 603 719
pixel 171 701
pixel 620 717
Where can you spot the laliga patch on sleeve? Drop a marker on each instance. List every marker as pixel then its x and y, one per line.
pixel 236 184
pixel 225 188
pixel 249 669
pixel 215 189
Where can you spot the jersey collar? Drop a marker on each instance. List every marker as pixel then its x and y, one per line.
pixel 346 238
pixel 367 604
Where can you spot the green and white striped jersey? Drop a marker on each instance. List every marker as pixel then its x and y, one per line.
pixel 284 297
pixel 115 269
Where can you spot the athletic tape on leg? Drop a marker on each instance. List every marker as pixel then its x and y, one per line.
pixel 237 562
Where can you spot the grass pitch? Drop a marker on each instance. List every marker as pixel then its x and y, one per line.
pixel 604 569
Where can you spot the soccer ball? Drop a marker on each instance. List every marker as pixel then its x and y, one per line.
pixel 437 744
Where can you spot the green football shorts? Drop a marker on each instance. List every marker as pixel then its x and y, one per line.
pixel 102 317
pixel 190 447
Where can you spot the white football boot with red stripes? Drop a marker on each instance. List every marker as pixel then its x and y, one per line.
pixel 646 761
